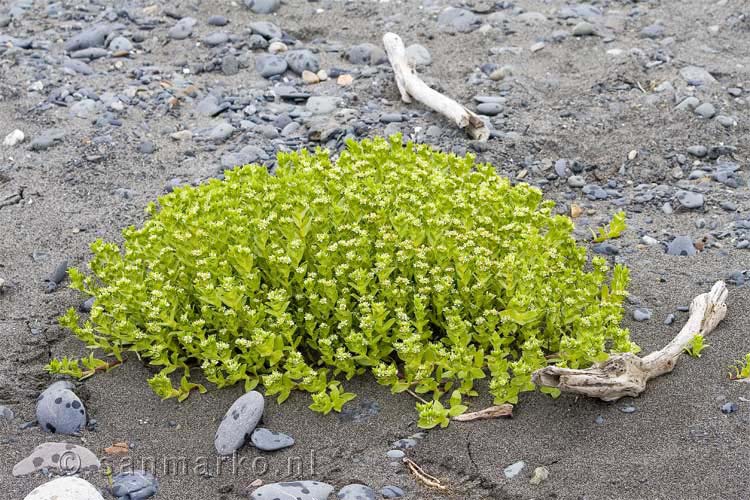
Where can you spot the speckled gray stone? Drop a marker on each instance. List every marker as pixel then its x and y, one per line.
pixel 269 65
pixel 268 440
pixel 58 410
pixel 302 60
pixel 263 6
pixel 61 458
pixel 356 492
pixel 239 422
pixel 682 246
pixel 135 485
pixel 298 490
pixel 459 20
pixel 266 29
pixel 689 199
pixel 641 314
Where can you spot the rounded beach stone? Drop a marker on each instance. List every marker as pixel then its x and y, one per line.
pixel 58 410
pixel 65 488
pixel 239 422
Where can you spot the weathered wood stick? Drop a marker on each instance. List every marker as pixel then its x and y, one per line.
pixel 411 86
pixel 626 374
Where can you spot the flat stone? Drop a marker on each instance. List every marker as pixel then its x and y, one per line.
pixel 268 440
pixel 696 75
pixel 270 65
pixel 266 29
pixel 302 59
pixel 58 410
pixel 697 151
pixel 322 105
pixel 641 314
pixel 688 104
pixel 682 246
pixel 215 39
pixel 60 458
pixel 583 29
pixel 221 132
pixel 247 155
pixel 489 108
pixel 182 29
pixel 94 36
pixel 263 6
pixel 458 20
pixel 217 21
pixel 705 110
pixel 356 492
pixel 418 55
pixel 65 488
pixel 392 492
pixel 239 422
pixel 298 490
pixel 135 485
pixel 689 199
pixel 85 109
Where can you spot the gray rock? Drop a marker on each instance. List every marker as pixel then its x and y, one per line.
pixel 90 53
pixel 322 105
pixel 84 109
pixel 218 21
pixel 688 104
pixel 584 29
pixel 302 60
pixel 576 181
pixel 728 408
pixel 628 409
pixel 263 6
pixel 47 139
pixel 653 31
pixel 266 29
pixel 135 485
pixel 87 304
pixel 6 413
pixel 726 121
pixel 418 55
pixel 405 444
pixel 641 314
pixel 356 492
pixel 682 245
pixel 366 54
pixel 59 410
pixel 669 319
pixel 209 106
pixel 458 20
pixel 73 66
pixel 247 155
pixel 391 117
pixel 392 492
pixel 239 422
pixel 532 18
pixel 257 42
pixel 182 29
pixel 215 39
pixel 60 458
pixel 268 440
pixel 221 132
pixel 298 490
pixel 270 65
pixel 706 110
pixel 698 151
pixel 513 470
pixel 695 75
pixel 94 36
pixel 489 108
pixel 120 43
pixel 230 65
pixel 605 248
pixel 65 488
pixel 689 199
pixel 395 454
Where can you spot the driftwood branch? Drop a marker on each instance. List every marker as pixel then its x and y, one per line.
pixel 504 410
pixel 626 374
pixel 411 86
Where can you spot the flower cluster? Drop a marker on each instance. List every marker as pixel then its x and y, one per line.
pixel 426 269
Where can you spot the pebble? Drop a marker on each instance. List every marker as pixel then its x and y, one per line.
pixel 540 475
pixel 356 492
pixel 605 248
pixel 60 458
pixel 392 492
pixel 501 73
pixel 221 132
pixel 695 75
pixel 705 110
pixel 697 151
pixel 299 490
pixel 641 314
pixel 418 55
pixel 669 319
pixel 238 422
pixel 270 65
pixel 215 39
pixel 135 485
pixel 120 43
pixel 489 108
pixel 726 121
pixel 405 444
pixel 5 412
pixel 302 59
pixel 395 454
pixel 599 420
pixel 583 29
pixel 728 408
pixel 65 488
pixel 13 138
pixel 85 109
pixel 58 409
pixel 513 470
pixel 366 54
pixel 653 31
pixel 247 155
pixel 682 246
pixel 277 47
pixel 689 199
pixel 230 66
pixel 688 104
pixel 182 29
pixel 181 135
pixel 391 118
pixel 649 240
pixel 266 29
pixel 628 409
pixel 268 440
pixel 322 105
pixel 263 6
pixel 94 36
pixel 576 181
pixel 219 21
pixel 458 20
pixel 310 78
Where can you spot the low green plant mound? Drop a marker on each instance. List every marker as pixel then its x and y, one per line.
pixel 426 269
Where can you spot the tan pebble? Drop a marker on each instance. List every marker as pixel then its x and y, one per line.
pixel 277 47
pixel 309 77
pixel 345 80
pixel 322 75
pixel 575 210
pixel 632 155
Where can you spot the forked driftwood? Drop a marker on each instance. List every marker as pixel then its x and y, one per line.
pixel 411 86
pixel 626 374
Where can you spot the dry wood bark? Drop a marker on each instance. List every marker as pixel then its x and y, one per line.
pixel 626 374
pixel 411 86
